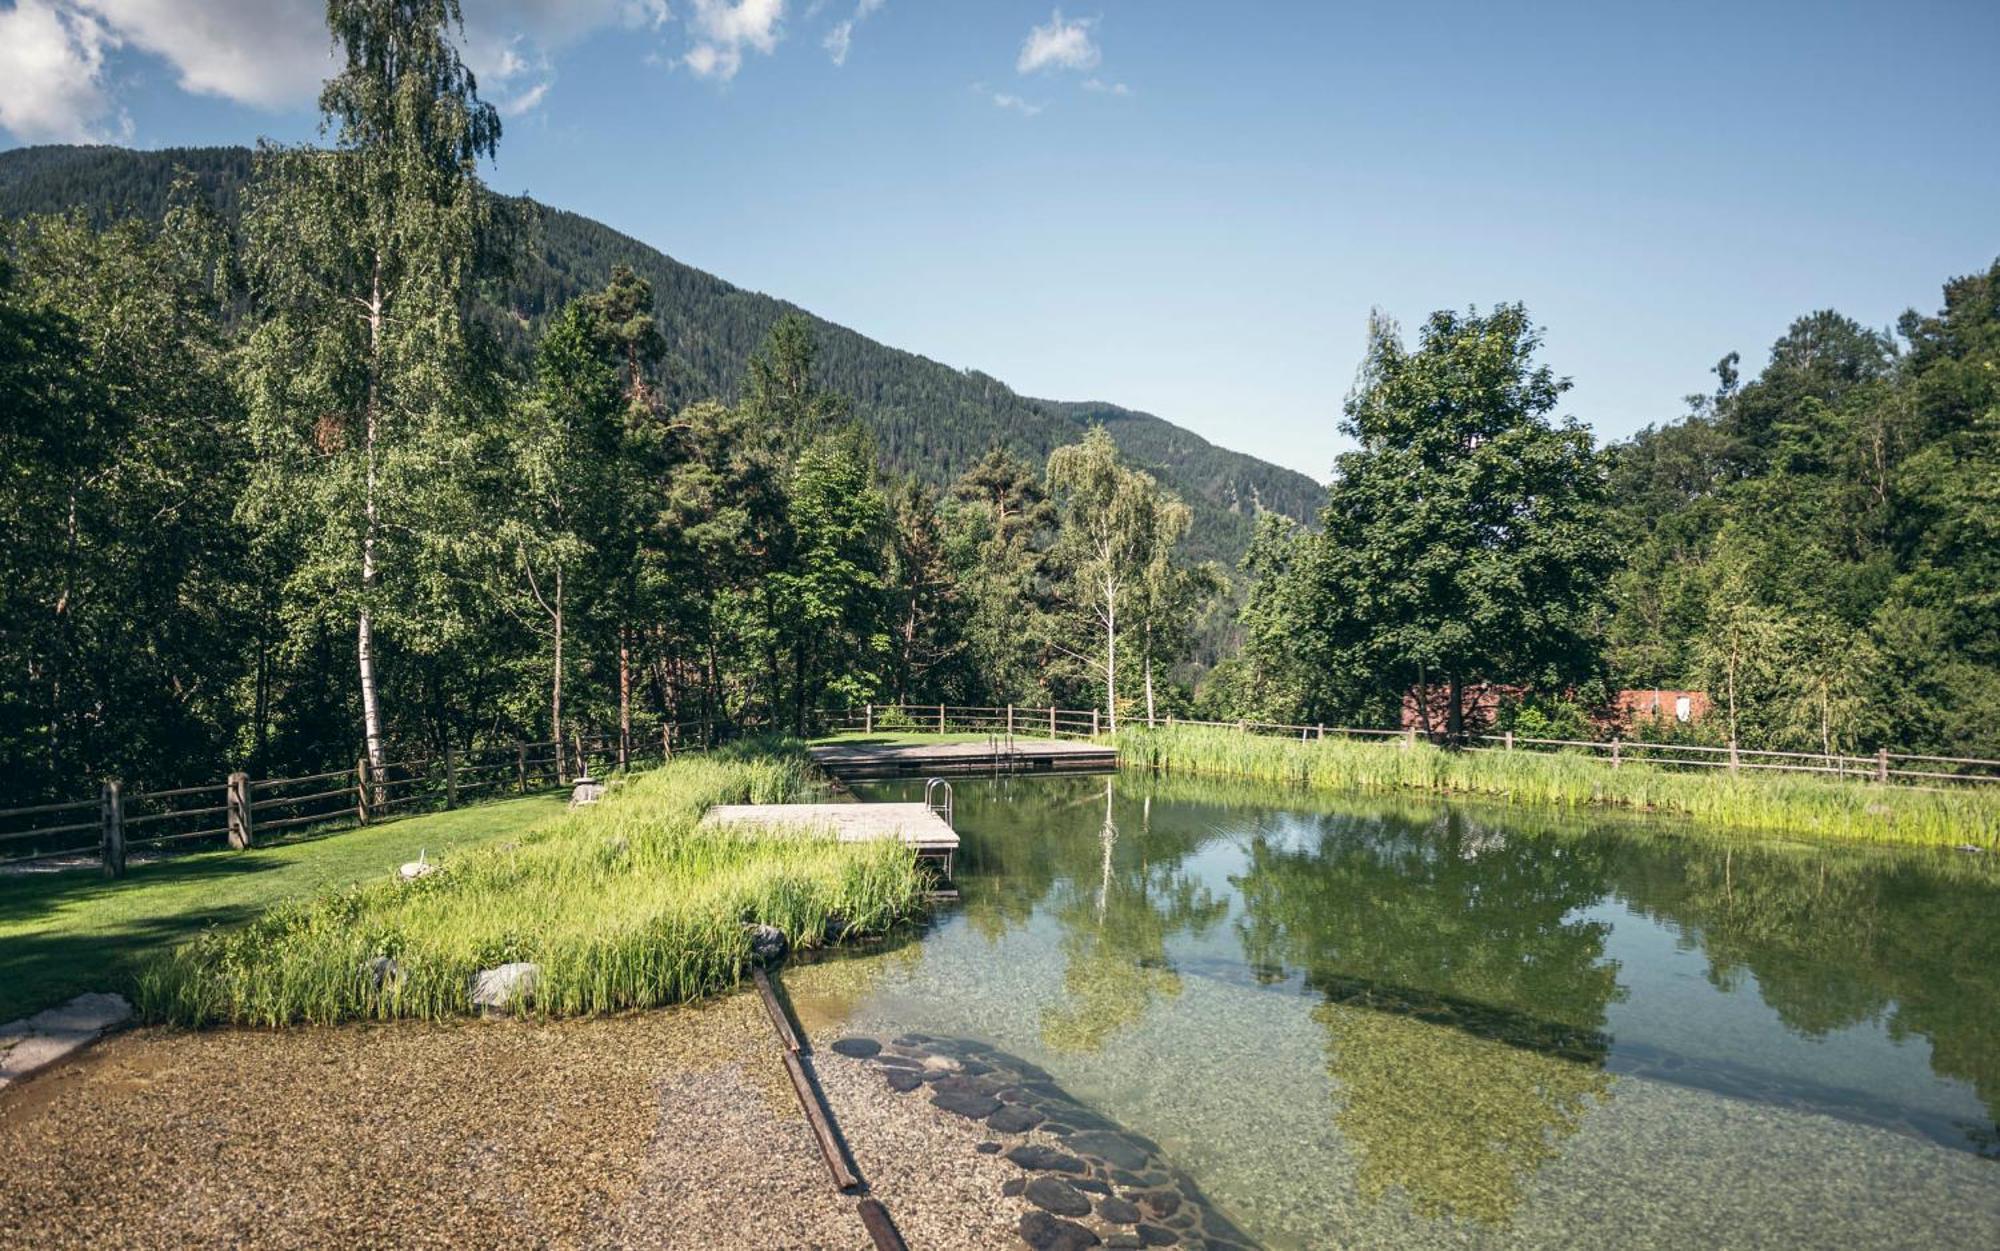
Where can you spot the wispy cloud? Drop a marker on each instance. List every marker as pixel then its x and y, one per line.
pixel 840 37
pixel 1061 45
pixel 724 28
pixel 1006 100
pixel 1105 88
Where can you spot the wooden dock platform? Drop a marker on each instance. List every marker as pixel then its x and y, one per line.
pixel 860 758
pixel 916 826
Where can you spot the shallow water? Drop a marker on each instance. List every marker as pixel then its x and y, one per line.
pixel 1365 1021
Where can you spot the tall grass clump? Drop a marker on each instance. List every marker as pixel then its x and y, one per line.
pixel 1773 802
pixel 628 903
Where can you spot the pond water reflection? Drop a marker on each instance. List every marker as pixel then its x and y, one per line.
pixel 1365 1020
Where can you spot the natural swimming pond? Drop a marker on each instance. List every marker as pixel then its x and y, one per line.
pixel 1368 1021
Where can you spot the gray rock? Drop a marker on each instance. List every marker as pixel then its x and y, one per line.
pixel 987 1148
pixel 767 943
pixel 975 1104
pixel 382 971
pixel 1035 1156
pixel 1055 1195
pixel 1014 1119
pixel 586 790
pixel 859 1048
pixel 1154 1236
pixel 1013 1186
pixel 1114 1149
pixel 902 1081
pixel 1118 1211
pixel 1047 1233
pixel 507 986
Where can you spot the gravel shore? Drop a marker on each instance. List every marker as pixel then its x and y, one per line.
pixel 663 1129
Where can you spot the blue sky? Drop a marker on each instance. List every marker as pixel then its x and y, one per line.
pixel 1188 208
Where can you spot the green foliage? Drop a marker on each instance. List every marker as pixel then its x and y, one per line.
pixel 625 904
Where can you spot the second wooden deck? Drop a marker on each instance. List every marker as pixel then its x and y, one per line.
pixel 862 758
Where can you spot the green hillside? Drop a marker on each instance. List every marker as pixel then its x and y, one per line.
pixel 931 420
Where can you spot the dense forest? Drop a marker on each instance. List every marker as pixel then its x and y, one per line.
pixel 315 452
pixel 931 421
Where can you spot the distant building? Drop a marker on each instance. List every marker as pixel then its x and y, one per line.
pixel 1685 707
pixel 1482 702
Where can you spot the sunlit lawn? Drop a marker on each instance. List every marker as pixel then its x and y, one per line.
pixel 68 932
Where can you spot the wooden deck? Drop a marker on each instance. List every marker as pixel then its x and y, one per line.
pixel 863 759
pixel 914 825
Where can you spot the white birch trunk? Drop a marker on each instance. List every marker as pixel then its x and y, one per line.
pixel 371 702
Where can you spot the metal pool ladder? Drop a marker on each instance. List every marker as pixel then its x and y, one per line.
pixel 941 807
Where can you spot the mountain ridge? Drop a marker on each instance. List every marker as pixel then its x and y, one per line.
pixel 931 420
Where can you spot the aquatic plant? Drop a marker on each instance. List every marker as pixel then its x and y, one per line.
pixel 1762 801
pixel 628 903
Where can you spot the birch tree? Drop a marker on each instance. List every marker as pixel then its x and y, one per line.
pixel 1115 522
pixel 362 376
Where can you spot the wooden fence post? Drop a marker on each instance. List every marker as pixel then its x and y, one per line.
pixel 361 790
pixel 1510 740
pixel 666 740
pixel 521 767
pixel 237 802
pixel 1093 723
pixel 868 719
pixel 1052 720
pixel 1409 738
pixel 1614 753
pixel 450 778
pixel 1881 764
pixel 1319 735
pixel 111 822
pixel 940 718
pixel 1010 721
pixel 1733 763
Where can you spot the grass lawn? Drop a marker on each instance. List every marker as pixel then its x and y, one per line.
pixel 73 931
pixel 629 903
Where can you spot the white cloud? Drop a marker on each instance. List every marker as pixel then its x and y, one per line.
pixel 51 73
pixel 1011 102
pixel 1062 45
pixel 1105 88
pixel 267 53
pixel 723 28
pixel 840 37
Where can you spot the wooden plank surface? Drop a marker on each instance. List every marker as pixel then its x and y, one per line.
pixel 912 824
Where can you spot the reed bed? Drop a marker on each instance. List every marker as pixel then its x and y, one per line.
pixel 628 903
pixel 1765 802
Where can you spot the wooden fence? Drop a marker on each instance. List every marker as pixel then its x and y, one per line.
pixel 239 809
pixel 1886 767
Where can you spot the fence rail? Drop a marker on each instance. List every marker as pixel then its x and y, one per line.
pixel 1883 767
pixel 238 809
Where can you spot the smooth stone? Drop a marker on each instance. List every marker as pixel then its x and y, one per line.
pixel 1134 1181
pixel 912 1040
pixel 902 1081
pixel 1119 1211
pixel 859 1048
pixel 1035 1156
pixel 506 985
pixel 1058 1196
pixel 1047 1233
pixel 1154 1236
pixel 973 1068
pixel 976 1105
pixel 1013 1186
pixel 1113 1149
pixel 1094 1187
pixel 767 943
pixel 1014 1119
pixel 1123 1241
pixel 888 1061
pixel 988 1148
pixel 1159 1202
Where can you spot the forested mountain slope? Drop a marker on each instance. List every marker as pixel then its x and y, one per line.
pixel 931 420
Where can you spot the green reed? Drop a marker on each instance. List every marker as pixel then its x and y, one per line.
pixel 1793 804
pixel 628 903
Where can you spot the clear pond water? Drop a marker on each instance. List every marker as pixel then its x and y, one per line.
pixel 1362 1021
